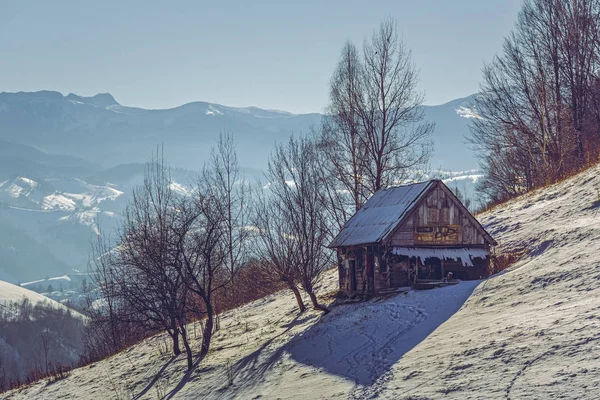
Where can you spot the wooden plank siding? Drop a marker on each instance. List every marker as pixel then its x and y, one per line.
pixel 436 211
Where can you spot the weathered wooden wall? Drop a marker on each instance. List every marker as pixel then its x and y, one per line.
pixel 437 221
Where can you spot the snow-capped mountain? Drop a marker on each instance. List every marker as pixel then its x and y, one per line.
pixel 452 151
pixel 101 130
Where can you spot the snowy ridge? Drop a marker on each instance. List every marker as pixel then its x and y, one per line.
pixel 20 186
pixel 13 293
pixel 79 194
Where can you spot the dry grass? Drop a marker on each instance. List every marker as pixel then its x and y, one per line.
pixel 493 205
pixel 504 260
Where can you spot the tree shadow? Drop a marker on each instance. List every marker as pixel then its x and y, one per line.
pixel 155 379
pixel 251 365
pixel 361 342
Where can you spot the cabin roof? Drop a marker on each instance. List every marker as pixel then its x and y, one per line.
pixel 380 214
pixel 386 210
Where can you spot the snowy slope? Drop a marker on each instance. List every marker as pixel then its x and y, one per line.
pixel 13 293
pixel 532 332
pixel 21 331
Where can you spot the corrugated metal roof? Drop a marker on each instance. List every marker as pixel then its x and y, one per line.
pixel 380 214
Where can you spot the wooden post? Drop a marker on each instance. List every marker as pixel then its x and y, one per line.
pixel 416 269
pixel 383 266
pixel 443 271
pixel 342 271
pixel 370 272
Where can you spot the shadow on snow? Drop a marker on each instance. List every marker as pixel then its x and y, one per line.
pixel 363 341
pixel 359 342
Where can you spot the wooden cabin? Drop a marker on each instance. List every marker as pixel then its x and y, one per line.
pixel 407 235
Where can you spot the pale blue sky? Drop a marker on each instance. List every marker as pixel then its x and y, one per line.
pixel 270 54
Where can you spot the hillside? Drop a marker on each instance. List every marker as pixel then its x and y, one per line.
pixel 531 332
pixel 35 333
pixel 13 293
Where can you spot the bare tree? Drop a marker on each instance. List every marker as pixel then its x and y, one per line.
pixel 397 139
pixel 147 253
pixel 374 134
pixel 538 114
pixel 45 341
pixel 342 140
pixel 230 184
pixel 139 274
pixel 293 221
pixel 202 239
pixel 273 246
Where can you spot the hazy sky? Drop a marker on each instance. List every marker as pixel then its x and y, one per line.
pixel 271 54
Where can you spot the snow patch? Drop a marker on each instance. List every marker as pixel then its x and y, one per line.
pixel 211 110
pixel 179 188
pixel 58 201
pixel 465 112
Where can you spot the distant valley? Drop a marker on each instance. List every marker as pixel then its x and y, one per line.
pixel 68 164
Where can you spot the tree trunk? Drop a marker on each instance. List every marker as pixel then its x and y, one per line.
pixel 315 302
pixel 301 306
pixel 208 331
pixel 188 349
pixel 175 338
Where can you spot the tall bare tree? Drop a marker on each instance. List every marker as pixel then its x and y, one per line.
pixel 140 273
pixel 202 243
pixel 397 138
pixel 231 186
pixel 342 141
pixel 374 134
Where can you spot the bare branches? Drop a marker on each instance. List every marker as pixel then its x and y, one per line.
pixel 397 142
pixel 230 186
pixel 176 251
pixel 537 104
pixel 292 219
pixel 373 135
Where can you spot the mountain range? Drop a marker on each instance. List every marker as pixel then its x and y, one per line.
pixel 68 162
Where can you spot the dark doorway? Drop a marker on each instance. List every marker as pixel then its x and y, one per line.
pixel 432 269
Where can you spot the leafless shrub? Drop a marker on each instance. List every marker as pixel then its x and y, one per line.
pixel 504 260
pixel 292 220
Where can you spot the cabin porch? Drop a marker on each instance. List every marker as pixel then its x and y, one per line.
pixel 368 270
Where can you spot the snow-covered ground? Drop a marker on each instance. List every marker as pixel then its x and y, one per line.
pixel 532 332
pixel 13 293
